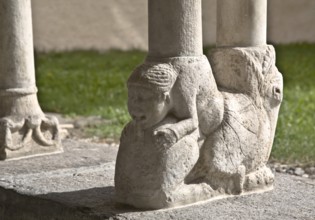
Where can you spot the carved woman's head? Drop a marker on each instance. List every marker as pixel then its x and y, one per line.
pixel 272 84
pixel 265 80
pixel 149 98
pixel 271 89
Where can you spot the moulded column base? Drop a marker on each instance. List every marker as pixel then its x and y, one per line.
pixel 25 131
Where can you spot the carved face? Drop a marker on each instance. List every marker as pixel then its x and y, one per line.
pixel 146 107
pixel 274 87
pixel 272 97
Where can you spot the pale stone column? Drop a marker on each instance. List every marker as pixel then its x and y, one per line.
pixel 241 22
pixel 24 129
pixel 175 28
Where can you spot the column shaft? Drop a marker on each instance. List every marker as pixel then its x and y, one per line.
pixel 175 28
pixel 241 23
pixel 16 45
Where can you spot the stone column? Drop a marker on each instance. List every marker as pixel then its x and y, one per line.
pixel 241 23
pixel 174 103
pixel 175 28
pixel 24 129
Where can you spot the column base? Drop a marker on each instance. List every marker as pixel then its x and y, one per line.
pixel 25 131
pixel 28 137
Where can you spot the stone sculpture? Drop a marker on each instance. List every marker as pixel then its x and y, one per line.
pixel 168 146
pixel 197 134
pixel 24 129
pixel 234 157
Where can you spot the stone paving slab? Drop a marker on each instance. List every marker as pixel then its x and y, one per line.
pixel 79 184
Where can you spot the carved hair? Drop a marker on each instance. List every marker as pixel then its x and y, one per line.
pixel 159 77
pixel 259 63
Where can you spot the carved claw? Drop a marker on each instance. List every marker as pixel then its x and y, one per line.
pixel 47 122
pixel 8 138
pixel 39 137
pixel 164 138
pixel 33 122
pixel 9 144
pixel 13 124
pixel 10 126
pixel 52 122
pixel 32 126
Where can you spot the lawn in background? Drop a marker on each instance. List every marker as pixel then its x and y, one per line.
pixel 93 83
pixel 295 135
pixel 87 83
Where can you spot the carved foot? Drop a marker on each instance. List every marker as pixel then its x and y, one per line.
pixel 259 180
pixel 230 183
pixel 159 199
pixel 23 137
pixel 237 181
pixel 188 194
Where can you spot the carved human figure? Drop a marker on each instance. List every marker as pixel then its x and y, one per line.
pixel 150 101
pixel 196 100
pixel 191 96
pixel 152 161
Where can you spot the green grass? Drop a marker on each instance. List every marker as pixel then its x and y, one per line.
pixel 87 83
pixel 295 136
pixel 92 83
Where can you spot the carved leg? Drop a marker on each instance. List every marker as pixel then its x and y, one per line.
pixel 179 161
pixel 24 129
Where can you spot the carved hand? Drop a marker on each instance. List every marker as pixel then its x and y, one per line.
pixel 164 138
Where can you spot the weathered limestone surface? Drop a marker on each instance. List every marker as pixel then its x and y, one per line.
pixel 197 134
pixel 236 153
pixel 24 129
pixel 79 184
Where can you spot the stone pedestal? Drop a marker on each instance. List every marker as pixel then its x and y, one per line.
pixel 24 129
